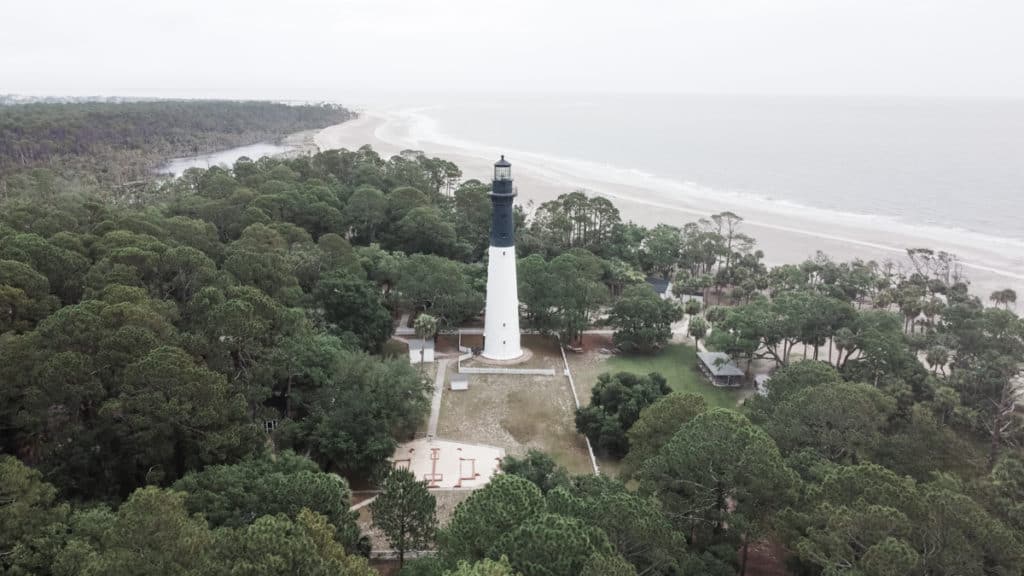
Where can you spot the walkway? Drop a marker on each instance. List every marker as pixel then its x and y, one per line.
pixel 682 328
pixel 402 328
pixel 435 403
pixel 363 504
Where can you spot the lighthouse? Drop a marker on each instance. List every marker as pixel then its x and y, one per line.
pixel 501 320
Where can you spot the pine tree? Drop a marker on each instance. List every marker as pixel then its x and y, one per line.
pixel 406 512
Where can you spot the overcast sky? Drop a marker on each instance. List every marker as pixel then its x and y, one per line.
pixel 333 49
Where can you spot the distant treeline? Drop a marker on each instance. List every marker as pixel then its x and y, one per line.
pixel 119 142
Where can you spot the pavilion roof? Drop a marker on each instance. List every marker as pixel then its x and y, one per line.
pixel 720 364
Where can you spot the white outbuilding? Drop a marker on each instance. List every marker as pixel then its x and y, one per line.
pixel 459 382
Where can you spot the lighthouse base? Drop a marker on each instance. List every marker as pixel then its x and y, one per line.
pixel 523 357
pixel 503 358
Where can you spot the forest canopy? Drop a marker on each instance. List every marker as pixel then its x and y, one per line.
pixel 118 142
pixel 192 377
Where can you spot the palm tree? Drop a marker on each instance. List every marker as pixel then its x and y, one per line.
pixel 698 328
pixel 1004 297
pixel 425 327
pixel 937 357
pixel 1010 297
pixel 932 307
pixel 910 307
pixel 845 339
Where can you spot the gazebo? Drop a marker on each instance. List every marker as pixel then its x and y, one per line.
pixel 719 369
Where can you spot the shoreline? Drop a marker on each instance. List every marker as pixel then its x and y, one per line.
pixel 781 230
pixel 302 143
pixel 293 145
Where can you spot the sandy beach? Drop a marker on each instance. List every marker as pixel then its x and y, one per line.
pixel 787 235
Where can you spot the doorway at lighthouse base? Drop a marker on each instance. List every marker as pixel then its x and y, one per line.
pixel 517 412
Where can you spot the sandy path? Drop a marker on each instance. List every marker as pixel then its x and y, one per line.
pixel 435 402
pixel 785 237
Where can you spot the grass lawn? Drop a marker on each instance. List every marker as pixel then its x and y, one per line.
pixel 395 349
pixel 676 362
pixel 517 413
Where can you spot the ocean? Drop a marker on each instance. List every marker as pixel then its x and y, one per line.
pixel 934 164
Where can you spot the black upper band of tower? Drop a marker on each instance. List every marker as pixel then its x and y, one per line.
pixel 503 232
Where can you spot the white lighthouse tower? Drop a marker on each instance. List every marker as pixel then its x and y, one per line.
pixel 501 322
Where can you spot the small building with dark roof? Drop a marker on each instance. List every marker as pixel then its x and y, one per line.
pixel 719 369
pixel 662 287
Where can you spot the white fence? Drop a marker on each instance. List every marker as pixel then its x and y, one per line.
pixel 518 371
pixel 576 398
pixel 467 354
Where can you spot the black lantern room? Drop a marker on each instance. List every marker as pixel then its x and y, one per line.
pixel 502 169
pixel 502 178
pixel 502 193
